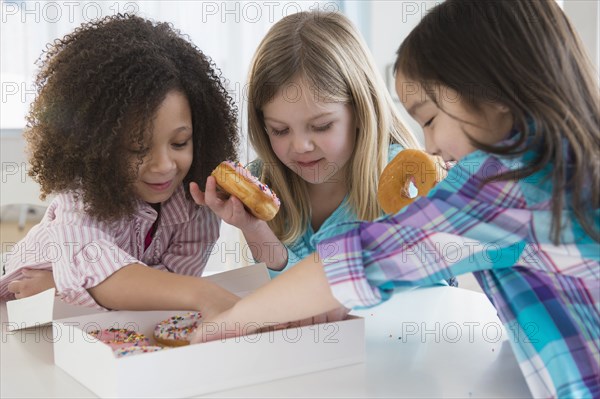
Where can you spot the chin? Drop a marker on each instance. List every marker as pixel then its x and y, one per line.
pixel 156 198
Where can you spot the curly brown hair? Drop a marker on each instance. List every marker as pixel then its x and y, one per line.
pixel 97 92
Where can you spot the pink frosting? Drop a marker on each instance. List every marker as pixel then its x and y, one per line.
pixel 239 168
pixel 120 338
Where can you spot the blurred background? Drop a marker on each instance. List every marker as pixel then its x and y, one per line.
pixel 227 31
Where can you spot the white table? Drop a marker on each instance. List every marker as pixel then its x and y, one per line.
pixel 431 342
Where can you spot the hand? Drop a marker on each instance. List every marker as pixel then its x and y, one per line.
pixel 225 325
pixel 33 282
pixel 217 327
pixel 231 210
pixel 332 316
pixel 220 301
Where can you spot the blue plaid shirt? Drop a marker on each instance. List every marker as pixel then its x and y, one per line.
pixel 547 296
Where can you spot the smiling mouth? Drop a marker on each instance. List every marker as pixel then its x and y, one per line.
pixel 308 164
pixel 160 186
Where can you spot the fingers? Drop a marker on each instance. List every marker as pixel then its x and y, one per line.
pixel 211 196
pixel 213 329
pixel 237 207
pixel 33 282
pixel 197 194
pixel 204 333
pixel 15 286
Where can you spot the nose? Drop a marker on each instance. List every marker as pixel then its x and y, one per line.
pixel 302 142
pixel 160 161
pixel 430 146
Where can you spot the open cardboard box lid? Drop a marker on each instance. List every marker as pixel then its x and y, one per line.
pixel 46 307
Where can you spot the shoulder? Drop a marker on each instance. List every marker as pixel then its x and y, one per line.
pixel 469 179
pixel 68 208
pixel 393 150
pixel 255 167
pixel 180 209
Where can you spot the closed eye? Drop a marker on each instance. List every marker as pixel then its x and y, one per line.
pixel 428 123
pixel 276 132
pixel 323 128
pixel 181 144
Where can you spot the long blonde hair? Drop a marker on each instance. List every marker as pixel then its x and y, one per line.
pixel 326 51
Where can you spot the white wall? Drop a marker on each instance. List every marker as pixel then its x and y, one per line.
pixel 391 22
pixel 585 15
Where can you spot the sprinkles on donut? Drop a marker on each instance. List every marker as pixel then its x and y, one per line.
pixel 177 330
pixel 238 181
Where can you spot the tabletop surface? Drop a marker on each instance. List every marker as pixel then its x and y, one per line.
pixel 428 342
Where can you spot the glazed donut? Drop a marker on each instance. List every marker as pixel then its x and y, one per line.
pixel 238 181
pixel 177 330
pixel 415 166
pixel 120 338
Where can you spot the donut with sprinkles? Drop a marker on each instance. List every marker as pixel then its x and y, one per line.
pixel 236 180
pixel 177 330
pixel 118 338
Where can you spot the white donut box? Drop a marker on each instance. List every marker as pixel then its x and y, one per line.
pixel 189 370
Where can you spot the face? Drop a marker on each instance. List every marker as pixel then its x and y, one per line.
pixel 446 125
pixel 314 139
pixel 171 151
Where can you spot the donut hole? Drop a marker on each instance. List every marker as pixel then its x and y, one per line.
pixel 410 189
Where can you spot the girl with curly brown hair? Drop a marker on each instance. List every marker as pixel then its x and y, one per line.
pixel 128 112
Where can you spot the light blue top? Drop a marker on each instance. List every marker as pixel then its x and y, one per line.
pixel 332 226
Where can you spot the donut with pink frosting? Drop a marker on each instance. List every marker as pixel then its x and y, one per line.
pixel 239 182
pixel 118 338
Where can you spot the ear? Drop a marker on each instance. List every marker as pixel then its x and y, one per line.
pixel 502 108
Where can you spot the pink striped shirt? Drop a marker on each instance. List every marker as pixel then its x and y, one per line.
pixel 82 251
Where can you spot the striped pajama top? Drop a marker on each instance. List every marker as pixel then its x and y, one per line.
pixel 82 251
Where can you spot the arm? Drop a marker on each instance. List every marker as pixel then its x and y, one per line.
pixel 138 287
pixel 263 243
pixel 299 293
pixel 451 232
pixel 190 243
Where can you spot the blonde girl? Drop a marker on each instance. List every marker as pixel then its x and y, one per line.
pixel 323 126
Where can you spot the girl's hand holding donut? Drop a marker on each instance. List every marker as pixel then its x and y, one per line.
pixel 228 207
pixel 248 196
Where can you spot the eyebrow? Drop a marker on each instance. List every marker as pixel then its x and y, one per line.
pixel 183 128
pixel 311 119
pixel 416 106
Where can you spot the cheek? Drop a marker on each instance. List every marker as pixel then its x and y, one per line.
pixel 459 145
pixel 339 144
pixel 279 146
pixel 185 159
